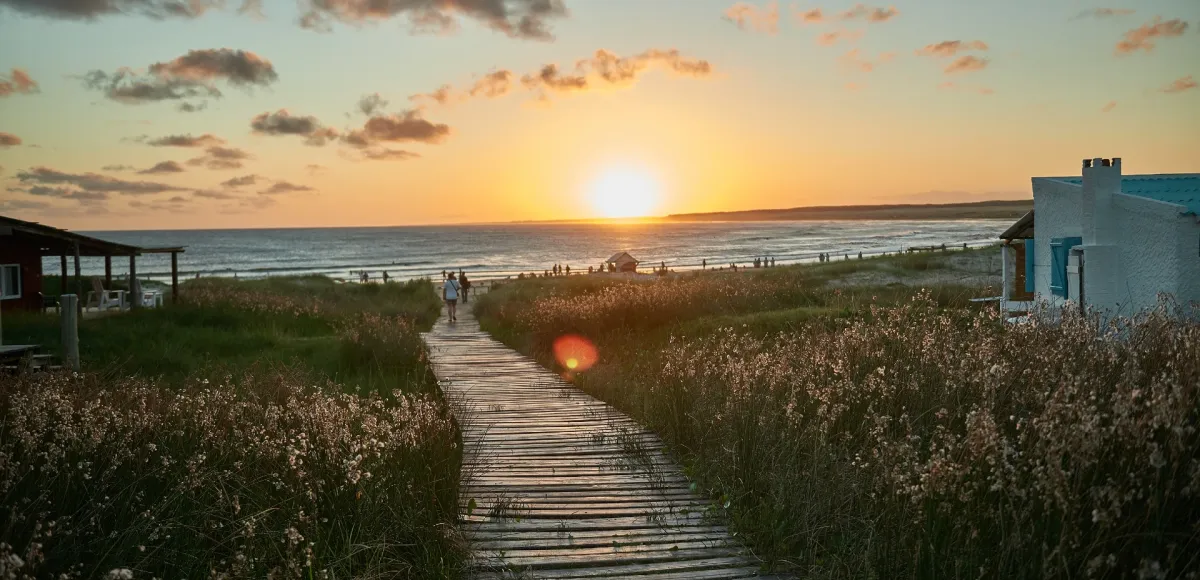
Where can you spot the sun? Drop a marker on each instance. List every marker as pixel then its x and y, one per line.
pixel 624 193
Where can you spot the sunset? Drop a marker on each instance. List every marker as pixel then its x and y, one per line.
pixel 329 113
pixel 565 289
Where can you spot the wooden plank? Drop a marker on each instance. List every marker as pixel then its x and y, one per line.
pixel 561 485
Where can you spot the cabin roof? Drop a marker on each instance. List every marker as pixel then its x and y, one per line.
pixel 1022 229
pixel 620 257
pixel 53 241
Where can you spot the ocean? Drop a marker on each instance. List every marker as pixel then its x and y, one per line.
pixel 501 250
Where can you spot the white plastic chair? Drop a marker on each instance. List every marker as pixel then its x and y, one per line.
pixel 102 299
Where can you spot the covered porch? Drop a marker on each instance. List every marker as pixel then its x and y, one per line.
pixel 23 245
pixel 1017 255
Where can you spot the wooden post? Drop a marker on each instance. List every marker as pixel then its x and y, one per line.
pixel 174 277
pixel 62 279
pixel 108 272
pixel 135 299
pixel 68 312
pixel 78 279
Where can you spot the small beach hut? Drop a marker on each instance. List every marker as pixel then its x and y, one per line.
pixel 623 262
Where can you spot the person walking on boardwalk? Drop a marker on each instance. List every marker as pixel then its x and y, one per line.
pixel 450 290
pixel 466 286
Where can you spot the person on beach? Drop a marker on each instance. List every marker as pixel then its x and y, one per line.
pixel 466 286
pixel 385 276
pixel 704 264
pixel 568 269
pixel 450 290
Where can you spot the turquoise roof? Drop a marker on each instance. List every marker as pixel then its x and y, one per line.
pixel 1177 188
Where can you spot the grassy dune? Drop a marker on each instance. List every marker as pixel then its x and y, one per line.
pixel 283 428
pixel 855 425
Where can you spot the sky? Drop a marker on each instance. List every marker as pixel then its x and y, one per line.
pixel 167 114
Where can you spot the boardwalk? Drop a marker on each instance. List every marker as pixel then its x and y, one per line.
pixel 559 485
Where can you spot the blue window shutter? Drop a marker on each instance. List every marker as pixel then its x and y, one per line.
pixel 1058 268
pixel 1029 287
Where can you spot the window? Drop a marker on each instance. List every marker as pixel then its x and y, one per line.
pixel 1060 248
pixel 10 281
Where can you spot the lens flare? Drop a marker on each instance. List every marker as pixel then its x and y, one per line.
pixel 575 352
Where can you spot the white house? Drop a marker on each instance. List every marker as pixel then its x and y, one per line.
pixel 1106 241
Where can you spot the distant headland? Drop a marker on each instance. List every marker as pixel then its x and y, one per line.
pixel 995 209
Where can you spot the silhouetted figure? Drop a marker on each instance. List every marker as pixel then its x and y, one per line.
pixel 568 269
pixel 704 264
pixel 772 262
pixel 385 276
pixel 466 286
pixel 860 255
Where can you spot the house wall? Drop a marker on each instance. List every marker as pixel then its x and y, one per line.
pixel 1057 207
pixel 1149 252
pixel 30 259
pixel 1188 252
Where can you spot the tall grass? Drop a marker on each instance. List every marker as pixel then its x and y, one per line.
pixel 913 438
pixel 305 437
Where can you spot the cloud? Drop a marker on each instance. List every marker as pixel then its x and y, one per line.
pixel 17 82
pixel 833 37
pixel 213 194
pixel 749 16
pixel 92 183
pixel 283 187
pixel 17 205
pixel 187 140
pixel 406 126
pixel 1143 37
pixel 369 105
pixel 855 60
pixel 869 13
pixel 190 76
pixel 283 123
pixel 948 85
pixel 164 167
pixel 814 16
pixel 220 158
pixel 382 154
pixel 190 108
pixel 1104 13
pixel 313 168
pixel 9 140
pixel 91 9
pixel 242 181
pixel 118 168
pixel 1180 85
pixel 948 48
pixel 606 68
pixel 175 204
pixel 967 63
pixel 1108 107
pixel 527 19
pixel 62 193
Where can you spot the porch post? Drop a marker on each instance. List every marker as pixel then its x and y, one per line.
pixel 135 300
pixel 62 280
pixel 78 279
pixel 174 277
pixel 108 272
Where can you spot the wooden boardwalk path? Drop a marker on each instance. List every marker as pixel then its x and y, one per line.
pixel 558 484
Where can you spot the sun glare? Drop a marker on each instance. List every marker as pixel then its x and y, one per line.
pixel 624 193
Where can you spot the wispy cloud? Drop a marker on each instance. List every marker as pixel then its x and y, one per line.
pixel 191 76
pixel 371 105
pixel 284 187
pixel 220 158
pixel 163 167
pixel 283 123
pixel 92 183
pixel 1180 85
pixel 17 82
pixel 118 168
pixel 948 48
pixel 9 140
pixel 814 16
pixel 1104 13
pixel 406 126
pixel 242 181
pixel 1144 38
pixel 979 90
pixel 854 59
pixel 835 36
pixel 969 63
pixel 92 9
pixel 526 19
pixel 384 154
pixel 192 108
pixel 870 14
pixel 1108 107
pixel 186 140
pixel 750 17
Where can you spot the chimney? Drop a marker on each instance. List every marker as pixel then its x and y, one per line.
pixel 1101 179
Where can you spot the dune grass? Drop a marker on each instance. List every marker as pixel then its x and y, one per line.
pixel 894 432
pixel 283 427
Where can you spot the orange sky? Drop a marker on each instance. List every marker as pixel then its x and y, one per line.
pixel 758 115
